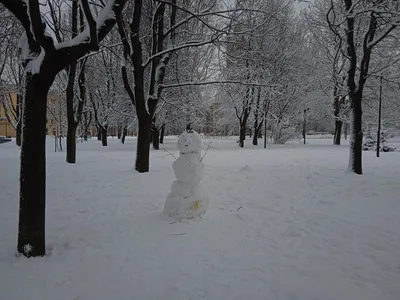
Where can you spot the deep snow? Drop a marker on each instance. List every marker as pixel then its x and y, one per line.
pixel 284 223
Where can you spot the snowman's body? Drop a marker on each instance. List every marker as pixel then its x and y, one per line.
pixel 187 198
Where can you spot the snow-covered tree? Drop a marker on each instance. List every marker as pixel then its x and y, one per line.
pixel 363 26
pixel 42 59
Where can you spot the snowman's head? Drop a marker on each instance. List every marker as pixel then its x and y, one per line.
pixel 189 142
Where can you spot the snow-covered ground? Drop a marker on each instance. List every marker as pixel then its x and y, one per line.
pixel 283 223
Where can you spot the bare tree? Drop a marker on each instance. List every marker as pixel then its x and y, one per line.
pixel 370 23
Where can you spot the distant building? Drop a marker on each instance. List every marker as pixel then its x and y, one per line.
pixel 8 113
pixel 213 118
pixel 8 101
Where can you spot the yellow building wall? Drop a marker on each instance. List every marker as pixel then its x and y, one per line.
pixel 6 128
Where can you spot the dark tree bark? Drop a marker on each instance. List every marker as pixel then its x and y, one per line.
pixel 87 119
pixel 155 138
pixel 71 128
pixel 155 135
pixel 244 117
pixel 247 102
pixel 104 136
pixel 98 129
pixel 162 134
pixel 337 107
pixel 356 135
pixel 31 227
pixel 242 135
pixel 257 133
pixel 143 146
pixel 255 136
pixel 338 132
pixel 19 122
pixel 259 129
pixel 71 143
pixel 124 133
pixel 257 126
pixel 74 117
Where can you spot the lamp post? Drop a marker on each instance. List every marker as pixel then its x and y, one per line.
pixel 265 128
pixel 378 142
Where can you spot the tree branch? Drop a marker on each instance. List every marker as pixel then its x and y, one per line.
pixel 94 45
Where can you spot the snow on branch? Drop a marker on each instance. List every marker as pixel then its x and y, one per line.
pixel 104 22
pixel 196 83
pixel 92 25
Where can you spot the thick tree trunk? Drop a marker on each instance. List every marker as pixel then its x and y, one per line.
pixel 71 143
pixel 104 136
pixel 143 145
pixel 356 138
pixel 162 134
pixel 242 135
pixel 124 133
pixel 338 132
pixel 31 227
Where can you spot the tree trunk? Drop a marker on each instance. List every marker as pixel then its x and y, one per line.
pixel 162 134
pixel 338 122
pixel 119 132
pixel 255 138
pixel 143 145
pixel 31 227
pixel 155 132
pixel 346 126
pixel 338 132
pixel 356 136
pixel 60 142
pixel 124 133
pixel 18 134
pixel 104 136
pixel 242 135
pixel 257 132
pixel 71 143
pixel 98 128
pixel 19 120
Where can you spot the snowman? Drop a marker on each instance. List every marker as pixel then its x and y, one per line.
pixel 187 199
